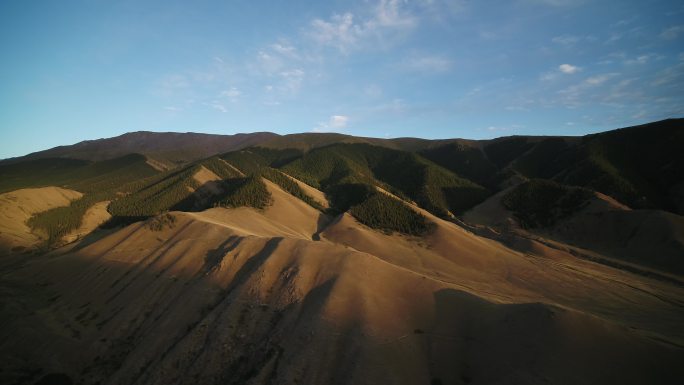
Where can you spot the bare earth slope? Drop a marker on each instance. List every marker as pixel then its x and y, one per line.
pixel 18 206
pixel 242 296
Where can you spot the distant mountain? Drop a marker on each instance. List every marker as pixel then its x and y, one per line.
pixel 167 147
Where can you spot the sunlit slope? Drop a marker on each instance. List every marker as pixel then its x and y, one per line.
pixel 246 296
pixel 591 221
pixel 17 207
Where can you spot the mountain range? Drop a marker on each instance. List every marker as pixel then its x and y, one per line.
pixel 155 258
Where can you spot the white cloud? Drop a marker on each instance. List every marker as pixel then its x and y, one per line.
pixel 173 109
pixel 335 122
pixel 284 48
pixel 218 106
pixel 599 79
pixel 338 121
pixel 672 32
pixel 389 14
pixel 339 32
pixel 568 68
pixel 345 32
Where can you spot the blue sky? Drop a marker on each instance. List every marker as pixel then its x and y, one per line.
pixel 77 70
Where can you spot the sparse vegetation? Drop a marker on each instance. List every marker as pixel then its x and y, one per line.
pixel 161 221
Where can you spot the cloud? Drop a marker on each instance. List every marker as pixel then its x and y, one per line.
pixel 292 79
pixel 217 106
pixel 284 48
pixel 338 121
pixel 672 32
pixel 335 122
pixel 643 59
pixel 599 79
pixel 269 63
pixel 568 68
pixel 566 40
pixel 558 3
pixel 428 64
pixel 583 92
pixel 231 94
pixel 339 32
pixel 172 108
pixel 346 32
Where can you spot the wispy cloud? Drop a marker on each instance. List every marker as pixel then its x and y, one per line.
pixel 566 39
pixel 558 3
pixel 429 64
pixel 232 94
pixel 672 33
pixel 217 106
pixel 347 32
pixel 577 94
pixel 335 122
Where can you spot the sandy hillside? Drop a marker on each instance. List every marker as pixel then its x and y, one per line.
pixel 16 207
pixel 242 296
pixel 653 239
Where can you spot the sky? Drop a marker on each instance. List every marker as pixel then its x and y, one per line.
pixel 79 70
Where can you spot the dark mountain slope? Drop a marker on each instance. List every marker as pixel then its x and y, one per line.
pixel 403 173
pixel 641 166
pixel 169 147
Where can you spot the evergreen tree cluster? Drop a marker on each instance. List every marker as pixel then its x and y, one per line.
pixel 249 191
pixel 161 194
pixel 541 203
pixel 405 174
pixel 382 212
